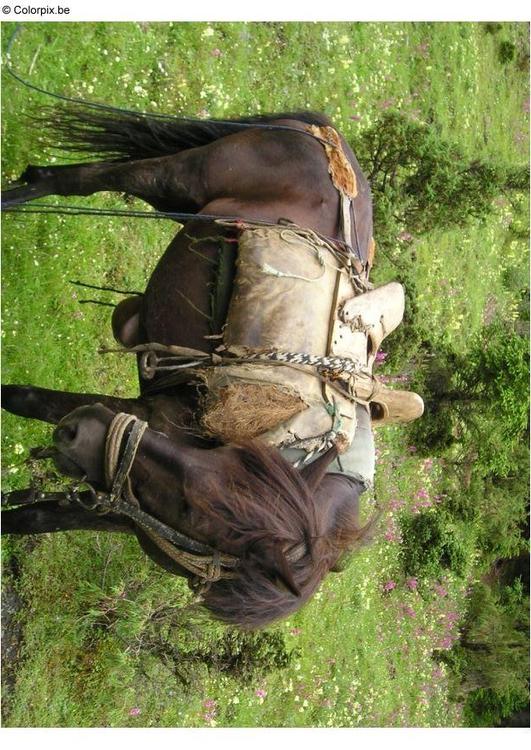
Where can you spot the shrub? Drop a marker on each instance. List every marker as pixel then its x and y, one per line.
pixel 494 654
pixel 506 52
pixel 432 544
pixel 421 182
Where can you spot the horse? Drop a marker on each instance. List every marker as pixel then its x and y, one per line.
pixel 253 532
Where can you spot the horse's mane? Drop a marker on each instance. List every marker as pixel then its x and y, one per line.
pixel 264 508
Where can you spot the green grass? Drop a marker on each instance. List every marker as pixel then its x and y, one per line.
pixel 358 655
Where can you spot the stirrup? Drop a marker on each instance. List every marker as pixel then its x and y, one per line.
pixel 395 406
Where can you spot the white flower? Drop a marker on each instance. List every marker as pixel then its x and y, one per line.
pixel 209 31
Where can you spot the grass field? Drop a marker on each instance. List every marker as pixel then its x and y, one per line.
pixel 107 638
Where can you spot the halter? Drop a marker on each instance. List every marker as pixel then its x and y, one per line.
pixel 123 439
pixel 206 563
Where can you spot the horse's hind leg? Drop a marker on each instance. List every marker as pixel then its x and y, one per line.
pixel 167 183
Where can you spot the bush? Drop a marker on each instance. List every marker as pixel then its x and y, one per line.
pixel 480 401
pixel 506 52
pixel 432 544
pixel 421 182
pixel 494 654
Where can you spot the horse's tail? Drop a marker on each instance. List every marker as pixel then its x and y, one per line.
pixel 117 134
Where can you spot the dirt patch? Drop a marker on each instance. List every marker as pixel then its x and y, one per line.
pixel 12 628
pixel 12 633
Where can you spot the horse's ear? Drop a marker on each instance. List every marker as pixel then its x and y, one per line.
pixel 284 577
pixel 313 473
pixel 273 559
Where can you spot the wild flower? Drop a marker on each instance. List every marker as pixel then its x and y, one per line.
pixel 412 584
pixel 260 693
pixel 440 590
pixel 389 585
pixel 396 504
pixel 446 642
pixel 380 358
pixel 423 49
pixel 135 711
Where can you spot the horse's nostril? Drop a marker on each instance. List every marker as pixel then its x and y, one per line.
pixel 65 433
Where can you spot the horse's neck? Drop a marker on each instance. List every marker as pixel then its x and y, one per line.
pixel 175 416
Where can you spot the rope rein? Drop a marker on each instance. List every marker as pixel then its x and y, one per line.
pixel 122 443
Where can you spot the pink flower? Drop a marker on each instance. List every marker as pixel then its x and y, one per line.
pixel 412 584
pixel 389 586
pixel 380 357
pixel 260 693
pixel 209 703
pixel 440 590
pixel 409 611
pixel 216 52
pixel 412 449
pixel 295 631
pixel 422 493
pixel 446 643
pixel 134 711
pixel 423 49
pixel 396 503
pixel 405 236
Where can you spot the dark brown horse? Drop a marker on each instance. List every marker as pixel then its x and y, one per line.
pixel 285 527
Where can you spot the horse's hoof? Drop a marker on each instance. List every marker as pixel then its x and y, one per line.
pixel 33 173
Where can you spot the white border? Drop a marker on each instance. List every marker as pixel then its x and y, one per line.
pixel 268 10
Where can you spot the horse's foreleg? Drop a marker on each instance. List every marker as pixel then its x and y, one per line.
pixel 51 406
pixel 169 183
pixel 47 516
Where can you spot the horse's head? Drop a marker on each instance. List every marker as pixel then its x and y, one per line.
pixel 275 530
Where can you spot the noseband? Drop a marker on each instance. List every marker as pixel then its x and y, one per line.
pixel 121 445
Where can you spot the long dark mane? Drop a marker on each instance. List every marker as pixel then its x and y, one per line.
pixel 270 508
pixel 121 135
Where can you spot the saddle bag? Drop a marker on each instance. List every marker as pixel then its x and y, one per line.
pixel 299 342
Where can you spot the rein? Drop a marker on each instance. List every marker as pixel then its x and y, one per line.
pixel 124 436
pixel 206 563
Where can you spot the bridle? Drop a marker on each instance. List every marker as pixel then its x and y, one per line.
pixel 124 435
